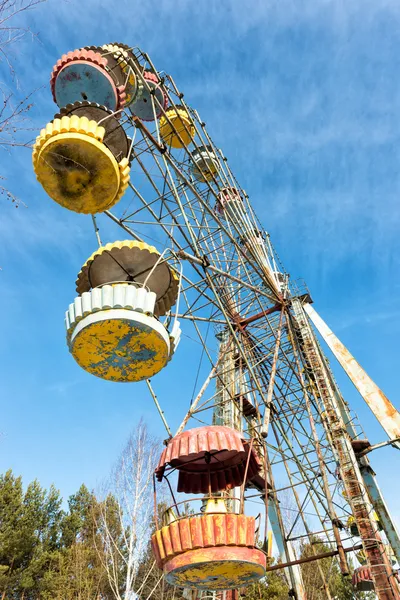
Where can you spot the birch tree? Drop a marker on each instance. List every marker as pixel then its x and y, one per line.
pixel 125 518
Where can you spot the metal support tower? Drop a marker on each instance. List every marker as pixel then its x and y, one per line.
pixel 269 375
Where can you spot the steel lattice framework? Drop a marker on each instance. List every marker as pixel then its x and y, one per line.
pixel 269 377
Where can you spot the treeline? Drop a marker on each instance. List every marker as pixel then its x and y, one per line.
pixel 98 548
pixel 46 552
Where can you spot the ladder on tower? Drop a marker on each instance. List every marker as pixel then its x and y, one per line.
pixel 385 584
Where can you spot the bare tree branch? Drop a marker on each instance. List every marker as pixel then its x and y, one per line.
pixel 126 512
pixel 14 109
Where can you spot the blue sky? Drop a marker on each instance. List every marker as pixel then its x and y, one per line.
pixel 303 97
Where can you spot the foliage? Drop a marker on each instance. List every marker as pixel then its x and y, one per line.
pixel 85 552
pixel 274 587
pixel 148 577
pixel 45 552
pixel 97 549
pixel 340 587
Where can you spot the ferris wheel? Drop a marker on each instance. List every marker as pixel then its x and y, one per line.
pixel 125 143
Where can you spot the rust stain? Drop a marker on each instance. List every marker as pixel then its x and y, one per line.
pixel 383 409
pixel 186 452
pixel 205 531
pixel 216 568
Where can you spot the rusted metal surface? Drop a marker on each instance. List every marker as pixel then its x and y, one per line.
pixel 385 586
pixel 380 405
pixel 216 568
pixel 246 321
pixel 308 559
pixel 209 458
pixel 381 508
pixel 204 531
pixel 140 125
pixel 189 594
pixel 246 473
pixel 248 408
pixel 362 447
pixel 331 507
pixel 211 551
pixel 362 579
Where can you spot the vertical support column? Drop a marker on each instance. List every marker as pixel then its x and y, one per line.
pixel 380 507
pixel 368 475
pixel 286 552
pixel 227 412
pixel 385 584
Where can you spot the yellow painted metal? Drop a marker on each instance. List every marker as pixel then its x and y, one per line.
pixel 181 122
pixel 66 124
pixel 120 350
pixel 169 296
pixel 131 82
pixel 223 567
pixel 379 404
pixel 269 543
pixel 75 168
pixel 361 557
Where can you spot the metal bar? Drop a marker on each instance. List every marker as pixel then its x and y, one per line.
pixel 285 550
pixel 271 383
pixel 307 559
pixel 382 511
pixel 332 513
pixel 377 446
pixel 381 570
pixel 204 264
pixel 264 313
pixel 96 230
pixel 161 412
pixel 198 398
pixel 379 404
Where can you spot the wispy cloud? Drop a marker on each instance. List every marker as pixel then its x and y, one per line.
pixel 62 387
pixel 304 100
